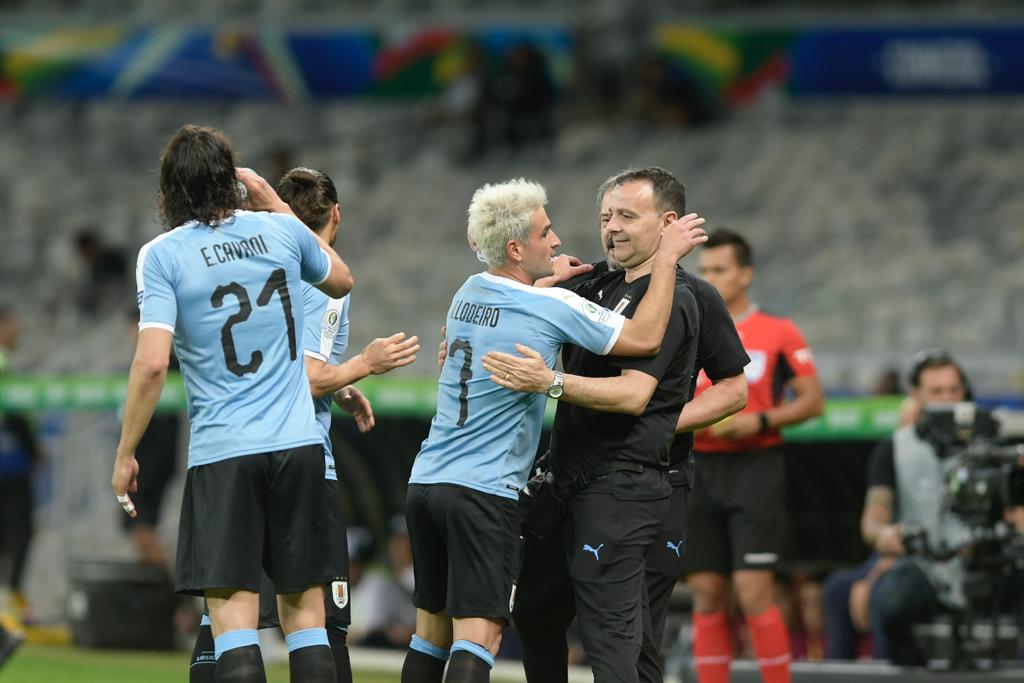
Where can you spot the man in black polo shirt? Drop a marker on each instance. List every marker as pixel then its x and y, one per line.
pixel 545 605
pixel 614 466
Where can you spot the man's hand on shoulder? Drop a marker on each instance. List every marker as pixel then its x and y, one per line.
pixel 528 372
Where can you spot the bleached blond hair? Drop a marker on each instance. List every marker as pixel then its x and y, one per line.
pixel 502 212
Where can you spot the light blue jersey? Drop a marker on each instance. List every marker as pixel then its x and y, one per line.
pixel 485 436
pixel 227 294
pixel 325 338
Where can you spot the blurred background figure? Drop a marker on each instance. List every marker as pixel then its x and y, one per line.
pixel 104 276
pixel 19 457
pixel 382 611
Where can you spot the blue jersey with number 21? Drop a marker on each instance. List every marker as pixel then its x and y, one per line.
pixel 231 296
pixel 485 436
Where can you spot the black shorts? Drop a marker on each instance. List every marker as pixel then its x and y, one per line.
pixel 737 512
pixel 336 593
pixel 465 550
pixel 251 513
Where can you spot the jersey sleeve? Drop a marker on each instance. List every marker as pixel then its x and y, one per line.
pixel 795 351
pixel 720 353
pixel 578 321
pixel 882 467
pixel 341 340
pixel 158 307
pixel 314 315
pixel 315 263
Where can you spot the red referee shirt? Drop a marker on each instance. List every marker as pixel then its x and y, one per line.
pixel 778 353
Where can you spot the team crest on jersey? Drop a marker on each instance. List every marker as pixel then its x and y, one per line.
pixel 594 312
pixel 330 324
pixel 755 369
pixel 339 592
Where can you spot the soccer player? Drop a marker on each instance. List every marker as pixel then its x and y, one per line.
pixel 220 284
pixel 313 198
pixel 737 507
pixel 461 505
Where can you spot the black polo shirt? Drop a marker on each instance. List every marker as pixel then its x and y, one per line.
pixel 584 439
pixel 720 352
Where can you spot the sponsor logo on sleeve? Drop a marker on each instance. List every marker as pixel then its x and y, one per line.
pixel 329 325
pixel 596 313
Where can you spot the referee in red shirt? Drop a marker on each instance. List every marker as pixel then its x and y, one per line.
pixel 737 508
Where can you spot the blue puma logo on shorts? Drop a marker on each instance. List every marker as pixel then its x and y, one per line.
pixel 677 547
pixel 587 547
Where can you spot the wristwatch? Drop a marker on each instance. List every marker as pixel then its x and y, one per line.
pixel 557 387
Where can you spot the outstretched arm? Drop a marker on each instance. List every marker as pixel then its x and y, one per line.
pixel 380 356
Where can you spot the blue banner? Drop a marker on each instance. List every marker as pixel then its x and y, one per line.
pixel 908 61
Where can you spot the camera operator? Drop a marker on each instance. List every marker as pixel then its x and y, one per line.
pixel 903 504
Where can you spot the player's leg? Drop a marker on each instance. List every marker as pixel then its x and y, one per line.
pixel 482 535
pixel 475 643
pixel 544 608
pixel 429 648
pixel 220 542
pixel 708 563
pixel 298 561
pixel 204 662
pixel 664 567
pixel 337 609
pixel 756 529
pixel 233 618
pixel 606 552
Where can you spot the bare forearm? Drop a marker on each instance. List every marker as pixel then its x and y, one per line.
pixel 325 379
pixel 607 394
pixel 719 401
pixel 877 516
pixel 803 407
pixel 144 387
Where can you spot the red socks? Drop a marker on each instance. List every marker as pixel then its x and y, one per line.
pixel 712 647
pixel 771 645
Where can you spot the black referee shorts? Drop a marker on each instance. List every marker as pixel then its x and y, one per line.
pixel 242 515
pixel 737 512
pixel 465 550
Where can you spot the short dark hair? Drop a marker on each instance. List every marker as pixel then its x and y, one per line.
pixel 311 194
pixel 930 359
pixel 724 237
pixel 197 177
pixel 669 192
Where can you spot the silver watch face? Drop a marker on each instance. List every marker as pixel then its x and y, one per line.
pixel 555 390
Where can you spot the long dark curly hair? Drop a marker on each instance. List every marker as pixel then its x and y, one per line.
pixel 311 194
pixel 197 178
